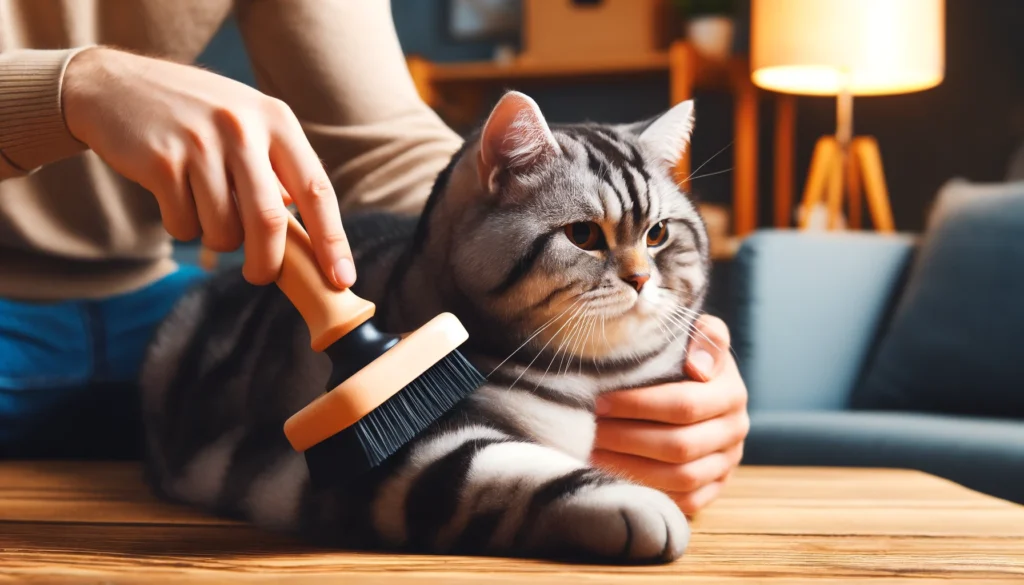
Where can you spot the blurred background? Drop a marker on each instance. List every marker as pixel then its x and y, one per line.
pixel 871 273
pixel 967 126
pixel 970 125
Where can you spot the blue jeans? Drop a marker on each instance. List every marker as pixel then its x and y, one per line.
pixel 68 371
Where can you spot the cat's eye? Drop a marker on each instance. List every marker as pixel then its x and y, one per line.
pixel 657 235
pixel 585 234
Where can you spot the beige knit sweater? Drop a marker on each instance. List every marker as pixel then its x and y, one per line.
pixel 70 227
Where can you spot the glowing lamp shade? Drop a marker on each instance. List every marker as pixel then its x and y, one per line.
pixel 874 47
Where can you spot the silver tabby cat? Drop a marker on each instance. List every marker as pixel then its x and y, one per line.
pixel 576 264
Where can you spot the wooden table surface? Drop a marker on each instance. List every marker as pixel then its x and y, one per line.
pixel 97 523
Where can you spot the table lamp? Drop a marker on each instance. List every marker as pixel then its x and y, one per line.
pixel 846 48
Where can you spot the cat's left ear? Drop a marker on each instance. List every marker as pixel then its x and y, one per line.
pixel 667 137
pixel 514 138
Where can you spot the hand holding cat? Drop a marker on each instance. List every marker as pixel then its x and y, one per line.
pixel 683 438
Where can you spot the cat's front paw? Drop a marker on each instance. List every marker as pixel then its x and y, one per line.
pixel 614 522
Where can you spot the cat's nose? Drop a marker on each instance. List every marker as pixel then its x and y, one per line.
pixel 637 281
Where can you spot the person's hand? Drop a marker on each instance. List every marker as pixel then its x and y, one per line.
pixel 214 152
pixel 683 438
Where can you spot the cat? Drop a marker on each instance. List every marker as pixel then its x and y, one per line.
pixel 577 266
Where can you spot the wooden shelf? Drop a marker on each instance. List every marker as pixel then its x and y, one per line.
pixel 707 73
pixel 526 70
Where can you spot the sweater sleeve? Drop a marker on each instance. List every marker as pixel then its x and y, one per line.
pixel 339 66
pixel 32 128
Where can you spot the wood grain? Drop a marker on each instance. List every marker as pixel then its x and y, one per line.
pixel 97 523
pixel 785 141
pixel 682 69
pixel 869 159
pixel 745 136
pixel 825 149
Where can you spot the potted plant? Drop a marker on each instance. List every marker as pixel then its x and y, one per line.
pixel 708 25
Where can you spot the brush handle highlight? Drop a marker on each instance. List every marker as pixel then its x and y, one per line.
pixel 330 313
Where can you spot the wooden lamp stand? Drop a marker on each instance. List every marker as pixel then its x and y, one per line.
pixel 844 165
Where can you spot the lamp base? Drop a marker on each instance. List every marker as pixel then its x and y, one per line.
pixel 859 165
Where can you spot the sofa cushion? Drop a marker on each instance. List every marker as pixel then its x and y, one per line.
pixel 807 306
pixel 982 454
pixel 955 343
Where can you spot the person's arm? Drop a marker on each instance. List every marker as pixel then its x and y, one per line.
pixel 686 438
pixel 32 128
pixel 338 64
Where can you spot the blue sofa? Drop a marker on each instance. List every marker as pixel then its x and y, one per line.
pixel 807 310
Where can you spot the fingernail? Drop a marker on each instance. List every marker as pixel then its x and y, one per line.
pixel 344 272
pixel 702 361
pixel 601 406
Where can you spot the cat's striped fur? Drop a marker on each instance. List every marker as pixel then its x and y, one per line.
pixel 553 325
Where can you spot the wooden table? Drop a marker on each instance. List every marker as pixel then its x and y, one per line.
pixel 96 523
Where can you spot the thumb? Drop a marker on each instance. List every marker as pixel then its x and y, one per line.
pixel 709 343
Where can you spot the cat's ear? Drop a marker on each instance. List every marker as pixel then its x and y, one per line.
pixel 514 138
pixel 667 137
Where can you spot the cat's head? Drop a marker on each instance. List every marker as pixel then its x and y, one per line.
pixel 572 228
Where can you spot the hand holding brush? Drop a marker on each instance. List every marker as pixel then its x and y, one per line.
pixel 384 388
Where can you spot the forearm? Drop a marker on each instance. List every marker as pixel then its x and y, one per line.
pixel 338 64
pixel 32 127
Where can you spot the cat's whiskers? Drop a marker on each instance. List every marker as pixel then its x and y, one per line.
pixel 694 315
pixel 535 334
pixel 577 345
pixel 569 343
pixel 679 317
pixel 604 333
pixel 711 174
pixel 694 330
pixel 661 324
pixel 600 319
pixel 589 329
pixel 681 324
pixel 567 355
pixel 530 365
pixel 657 318
pixel 561 345
pixel 701 166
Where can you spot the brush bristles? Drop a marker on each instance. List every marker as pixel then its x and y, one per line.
pixel 392 425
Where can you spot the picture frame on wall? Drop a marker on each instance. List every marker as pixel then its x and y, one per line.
pixel 497 21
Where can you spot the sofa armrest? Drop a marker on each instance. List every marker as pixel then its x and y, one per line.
pixel 807 307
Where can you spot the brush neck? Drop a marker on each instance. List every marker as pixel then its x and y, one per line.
pixel 330 313
pixel 356 350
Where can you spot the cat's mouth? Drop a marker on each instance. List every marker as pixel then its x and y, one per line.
pixel 615 302
pixel 610 303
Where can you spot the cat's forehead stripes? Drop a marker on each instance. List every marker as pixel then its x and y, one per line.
pixel 601 170
pixel 618 163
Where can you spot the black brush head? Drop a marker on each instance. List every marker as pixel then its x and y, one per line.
pixel 377 436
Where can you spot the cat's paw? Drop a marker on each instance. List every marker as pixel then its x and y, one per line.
pixel 614 522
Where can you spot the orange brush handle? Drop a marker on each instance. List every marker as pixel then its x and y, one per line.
pixel 329 313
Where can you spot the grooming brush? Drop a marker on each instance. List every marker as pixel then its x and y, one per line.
pixel 384 388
